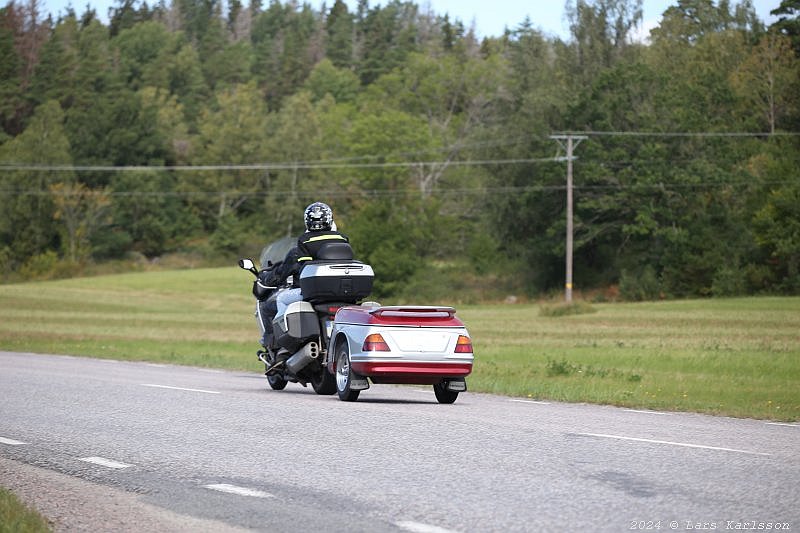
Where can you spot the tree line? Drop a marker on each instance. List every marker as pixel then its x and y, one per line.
pixel 197 125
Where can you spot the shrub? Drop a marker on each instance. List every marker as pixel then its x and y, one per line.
pixel 643 285
pixel 728 281
pixel 561 368
pixel 40 266
pixel 5 262
pixel 482 253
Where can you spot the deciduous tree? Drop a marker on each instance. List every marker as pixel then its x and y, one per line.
pixel 768 80
pixel 81 212
pixel 26 226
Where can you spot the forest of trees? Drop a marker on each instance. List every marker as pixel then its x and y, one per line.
pixel 205 127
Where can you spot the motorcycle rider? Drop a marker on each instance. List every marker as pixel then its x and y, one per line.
pixel 266 283
pixel 320 228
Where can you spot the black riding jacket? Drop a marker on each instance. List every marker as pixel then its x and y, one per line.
pixel 308 246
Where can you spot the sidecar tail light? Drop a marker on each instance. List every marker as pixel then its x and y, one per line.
pixel 463 344
pixel 375 343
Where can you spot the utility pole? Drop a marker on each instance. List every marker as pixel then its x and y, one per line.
pixel 571 144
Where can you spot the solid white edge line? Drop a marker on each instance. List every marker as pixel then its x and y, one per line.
pixel 418 527
pixel 785 424
pixel 179 388
pixel 682 444
pixel 530 401
pixel 11 442
pixel 102 461
pixel 240 491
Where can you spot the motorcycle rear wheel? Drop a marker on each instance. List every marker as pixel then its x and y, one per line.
pixel 323 382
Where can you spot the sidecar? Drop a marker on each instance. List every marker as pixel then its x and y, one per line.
pixel 421 345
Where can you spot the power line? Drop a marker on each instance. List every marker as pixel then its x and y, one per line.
pixel 701 134
pixel 415 191
pixel 341 163
pixel 271 166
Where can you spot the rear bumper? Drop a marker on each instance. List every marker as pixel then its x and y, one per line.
pixel 415 372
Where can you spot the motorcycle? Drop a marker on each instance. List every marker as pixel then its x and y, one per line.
pixel 340 345
pixel 296 350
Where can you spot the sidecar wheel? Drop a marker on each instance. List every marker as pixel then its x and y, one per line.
pixel 344 374
pixel 443 395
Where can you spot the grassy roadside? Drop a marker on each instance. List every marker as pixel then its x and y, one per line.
pixel 737 357
pixel 15 517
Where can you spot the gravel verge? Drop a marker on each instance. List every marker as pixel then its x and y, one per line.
pixel 72 504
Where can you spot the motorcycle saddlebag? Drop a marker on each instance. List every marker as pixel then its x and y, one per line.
pixel 344 281
pixel 297 326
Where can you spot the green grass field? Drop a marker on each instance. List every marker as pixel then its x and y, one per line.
pixel 737 357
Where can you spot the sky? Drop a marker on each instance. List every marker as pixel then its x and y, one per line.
pixel 490 17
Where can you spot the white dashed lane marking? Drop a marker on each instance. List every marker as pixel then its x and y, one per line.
pixel 418 527
pixel 670 443
pixel 240 491
pixel 11 442
pixel 179 388
pixel 102 461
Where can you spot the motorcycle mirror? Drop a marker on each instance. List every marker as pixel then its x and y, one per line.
pixel 247 264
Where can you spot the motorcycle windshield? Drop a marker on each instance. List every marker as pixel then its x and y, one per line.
pixel 277 250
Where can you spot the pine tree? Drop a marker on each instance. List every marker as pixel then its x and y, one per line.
pixel 11 96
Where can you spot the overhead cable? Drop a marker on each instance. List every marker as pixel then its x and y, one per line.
pixel 679 134
pixel 271 166
pixel 415 191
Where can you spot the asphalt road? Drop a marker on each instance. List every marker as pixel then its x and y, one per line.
pixel 114 446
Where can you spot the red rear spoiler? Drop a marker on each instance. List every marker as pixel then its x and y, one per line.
pixel 414 312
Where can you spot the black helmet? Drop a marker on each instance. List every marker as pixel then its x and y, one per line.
pixel 318 217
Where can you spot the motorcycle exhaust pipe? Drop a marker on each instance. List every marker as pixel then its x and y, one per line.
pixel 303 358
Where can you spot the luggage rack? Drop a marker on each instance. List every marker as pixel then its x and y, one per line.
pixel 414 312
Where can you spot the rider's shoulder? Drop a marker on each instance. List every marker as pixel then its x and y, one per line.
pixel 312 236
